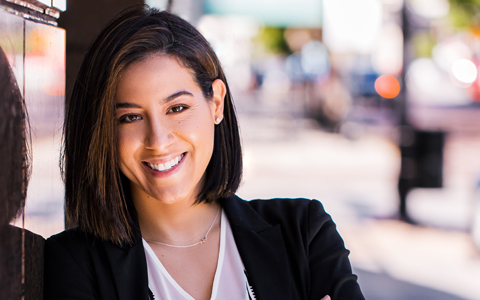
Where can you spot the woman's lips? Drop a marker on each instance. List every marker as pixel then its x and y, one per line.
pixel 166 166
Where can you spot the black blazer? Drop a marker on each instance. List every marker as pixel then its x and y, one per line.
pixel 289 247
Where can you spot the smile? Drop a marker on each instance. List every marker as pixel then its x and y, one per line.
pixel 166 166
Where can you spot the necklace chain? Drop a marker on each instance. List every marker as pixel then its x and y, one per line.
pixel 202 241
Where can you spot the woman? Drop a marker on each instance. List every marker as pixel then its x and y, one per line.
pixel 151 163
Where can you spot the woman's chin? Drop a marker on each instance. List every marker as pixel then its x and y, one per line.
pixel 172 198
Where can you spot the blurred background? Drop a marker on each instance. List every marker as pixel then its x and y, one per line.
pixel 370 106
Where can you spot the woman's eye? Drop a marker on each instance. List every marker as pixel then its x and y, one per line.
pixel 177 109
pixel 129 118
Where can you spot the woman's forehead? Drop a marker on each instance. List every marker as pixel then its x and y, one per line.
pixel 155 77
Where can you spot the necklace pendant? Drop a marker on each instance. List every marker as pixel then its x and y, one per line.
pixel 202 241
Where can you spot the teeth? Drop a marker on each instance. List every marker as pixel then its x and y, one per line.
pixel 166 166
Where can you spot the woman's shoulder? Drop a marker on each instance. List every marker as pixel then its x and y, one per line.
pixel 286 205
pixel 73 241
pixel 69 255
pixel 284 210
pixel 71 236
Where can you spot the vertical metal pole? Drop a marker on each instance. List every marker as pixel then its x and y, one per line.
pixel 405 181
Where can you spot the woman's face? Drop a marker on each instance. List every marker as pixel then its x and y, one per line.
pixel 165 129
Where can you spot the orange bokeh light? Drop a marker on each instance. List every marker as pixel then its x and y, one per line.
pixel 387 86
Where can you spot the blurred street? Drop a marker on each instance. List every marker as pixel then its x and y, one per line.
pixel 356 180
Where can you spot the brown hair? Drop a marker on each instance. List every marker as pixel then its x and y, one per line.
pixel 95 193
pixel 14 152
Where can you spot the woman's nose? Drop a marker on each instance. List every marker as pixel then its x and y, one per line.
pixel 159 136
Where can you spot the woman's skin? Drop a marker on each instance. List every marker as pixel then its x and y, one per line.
pixel 163 117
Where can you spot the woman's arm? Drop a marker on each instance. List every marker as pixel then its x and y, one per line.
pixel 328 259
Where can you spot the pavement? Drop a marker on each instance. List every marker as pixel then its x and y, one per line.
pixel 287 156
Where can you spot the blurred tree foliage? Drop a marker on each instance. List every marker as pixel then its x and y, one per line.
pixel 423 43
pixel 465 13
pixel 273 40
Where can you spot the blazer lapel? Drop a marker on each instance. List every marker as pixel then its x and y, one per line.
pixel 262 249
pixel 129 271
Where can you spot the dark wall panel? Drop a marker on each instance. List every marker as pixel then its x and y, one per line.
pixel 83 20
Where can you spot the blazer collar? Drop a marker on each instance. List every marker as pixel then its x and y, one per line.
pixel 262 249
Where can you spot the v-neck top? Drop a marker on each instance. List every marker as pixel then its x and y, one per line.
pixel 229 281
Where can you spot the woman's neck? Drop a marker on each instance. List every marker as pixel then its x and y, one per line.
pixel 178 223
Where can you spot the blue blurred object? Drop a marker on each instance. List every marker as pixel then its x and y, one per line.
pixel 312 64
pixel 293 68
pixel 315 61
pixel 363 83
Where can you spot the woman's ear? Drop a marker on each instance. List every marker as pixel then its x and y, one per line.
pixel 218 99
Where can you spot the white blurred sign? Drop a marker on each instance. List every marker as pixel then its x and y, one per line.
pixel 351 25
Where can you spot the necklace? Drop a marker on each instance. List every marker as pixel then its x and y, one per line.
pixel 202 241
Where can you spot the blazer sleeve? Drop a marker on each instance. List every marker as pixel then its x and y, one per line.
pixel 65 277
pixel 328 259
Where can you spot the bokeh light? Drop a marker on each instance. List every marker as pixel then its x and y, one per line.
pixel 387 86
pixel 387 57
pixel 464 71
pixel 431 9
pixel 447 52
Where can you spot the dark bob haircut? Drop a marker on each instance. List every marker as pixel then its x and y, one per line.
pixel 96 192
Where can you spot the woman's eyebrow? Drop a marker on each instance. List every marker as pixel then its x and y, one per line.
pixel 127 105
pixel 176 95
pixel 168 99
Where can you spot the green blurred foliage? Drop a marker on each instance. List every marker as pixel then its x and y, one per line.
pixel 273 40
pixel 464 13
pixel 423 43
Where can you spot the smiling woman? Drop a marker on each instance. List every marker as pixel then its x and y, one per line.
pixel 151 162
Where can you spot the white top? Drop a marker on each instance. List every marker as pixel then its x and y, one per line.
pixel 229 282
